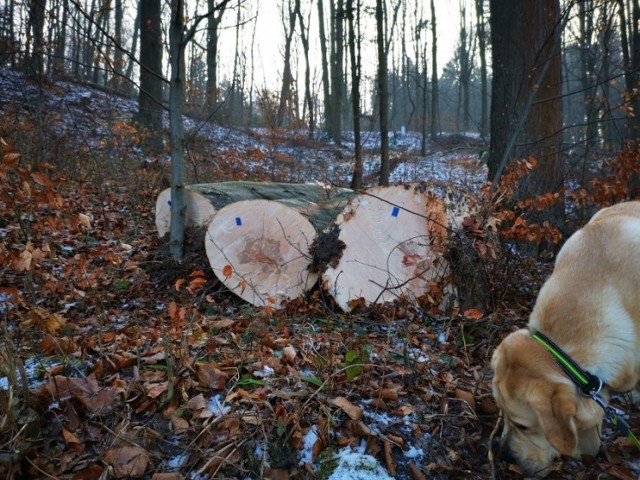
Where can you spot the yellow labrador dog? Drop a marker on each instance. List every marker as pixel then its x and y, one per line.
pixel 590 309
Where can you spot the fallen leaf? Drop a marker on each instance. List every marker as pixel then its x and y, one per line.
pixel 84 220
pixel 227 271
pixel 41 179
pixel 223 323
pixel 289 353
pixel 210 376
pixel 466 397
pixel 154 390
pixel 473 314
pixel 91 472
pixel 355 413
pixel 85 390
pixel 127 461
pixel 388 394
pixel 388 458
pixel 179 424
pixel 71 441
pixel 167 476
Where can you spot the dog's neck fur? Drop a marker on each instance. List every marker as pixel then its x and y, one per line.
pixel 612 353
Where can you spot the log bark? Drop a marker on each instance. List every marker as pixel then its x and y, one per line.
pixel 261 249
pixel 203 200
pixel 395 242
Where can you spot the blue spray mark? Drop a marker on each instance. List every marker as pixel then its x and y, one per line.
pixel 238 221
pixel 395 212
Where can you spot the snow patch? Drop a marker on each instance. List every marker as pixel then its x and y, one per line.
pixel 356 465
pixel 217 405
pixel 308 441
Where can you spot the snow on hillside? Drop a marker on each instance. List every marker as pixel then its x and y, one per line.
pixel 87 117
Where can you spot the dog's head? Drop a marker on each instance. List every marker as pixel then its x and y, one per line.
pixel 544 415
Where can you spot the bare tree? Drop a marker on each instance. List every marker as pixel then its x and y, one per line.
pixel 287 76
pixel 151 81
pixel 630 45
pixel 325 66
pixel 179 38
pixel 435 110
pixel 484 84
pixel 466 49
pixel 308 97
pixel 383 93
pixel 354 55
pixel 37 10
pixel 337 78
pixel 213 28
pixel 586 10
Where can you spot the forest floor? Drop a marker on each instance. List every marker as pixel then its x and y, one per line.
pixel 115 362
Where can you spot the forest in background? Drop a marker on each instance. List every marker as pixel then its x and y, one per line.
pixel 325 51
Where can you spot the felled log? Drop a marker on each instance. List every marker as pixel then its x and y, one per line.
pixel 203 200
pixel 260 249
pixel 394 241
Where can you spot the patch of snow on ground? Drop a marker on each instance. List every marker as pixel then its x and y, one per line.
pixel 266 371
pixel 33 367
pixel 380 418
pixel 177 461
pixel 413 452
pixel 217 405
pixel 356 465
pixel 308 441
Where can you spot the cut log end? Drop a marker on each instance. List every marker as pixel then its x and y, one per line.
pixel 394 241
pixel 199 211
pixel 260 250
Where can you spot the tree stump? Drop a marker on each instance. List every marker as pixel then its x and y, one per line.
pixel 394 242
pixel 203 200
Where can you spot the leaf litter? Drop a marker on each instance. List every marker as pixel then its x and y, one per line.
pixel 118 363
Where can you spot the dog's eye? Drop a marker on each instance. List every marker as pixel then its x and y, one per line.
pixel 519 426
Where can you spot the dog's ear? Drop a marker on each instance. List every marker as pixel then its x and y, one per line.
pixel 558 419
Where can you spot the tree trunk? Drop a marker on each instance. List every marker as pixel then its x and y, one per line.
pixel 134 47
pixel 631 66
pixel 61 41
pixel 287 77
pixel 635 58
pixel 585 17
pixel 308 96
pixel 337 53
pixel 527 66
pixel 37 10
pixel 383 95
pixel 395 240
pixel 176 126
pixel 435 110
pixel 325 67
pixel 204 200
pixel 261 249
pixel 150 96
pixel 118 60
pixel 356 179
pixel 212 56
pixel 484 85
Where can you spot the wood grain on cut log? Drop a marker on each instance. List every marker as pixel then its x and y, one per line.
pixel 203 200
pixel 394 241
pixel 260 248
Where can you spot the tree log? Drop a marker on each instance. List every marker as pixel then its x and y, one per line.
pixel 203 200
pixel 395 242
pixel 260 249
